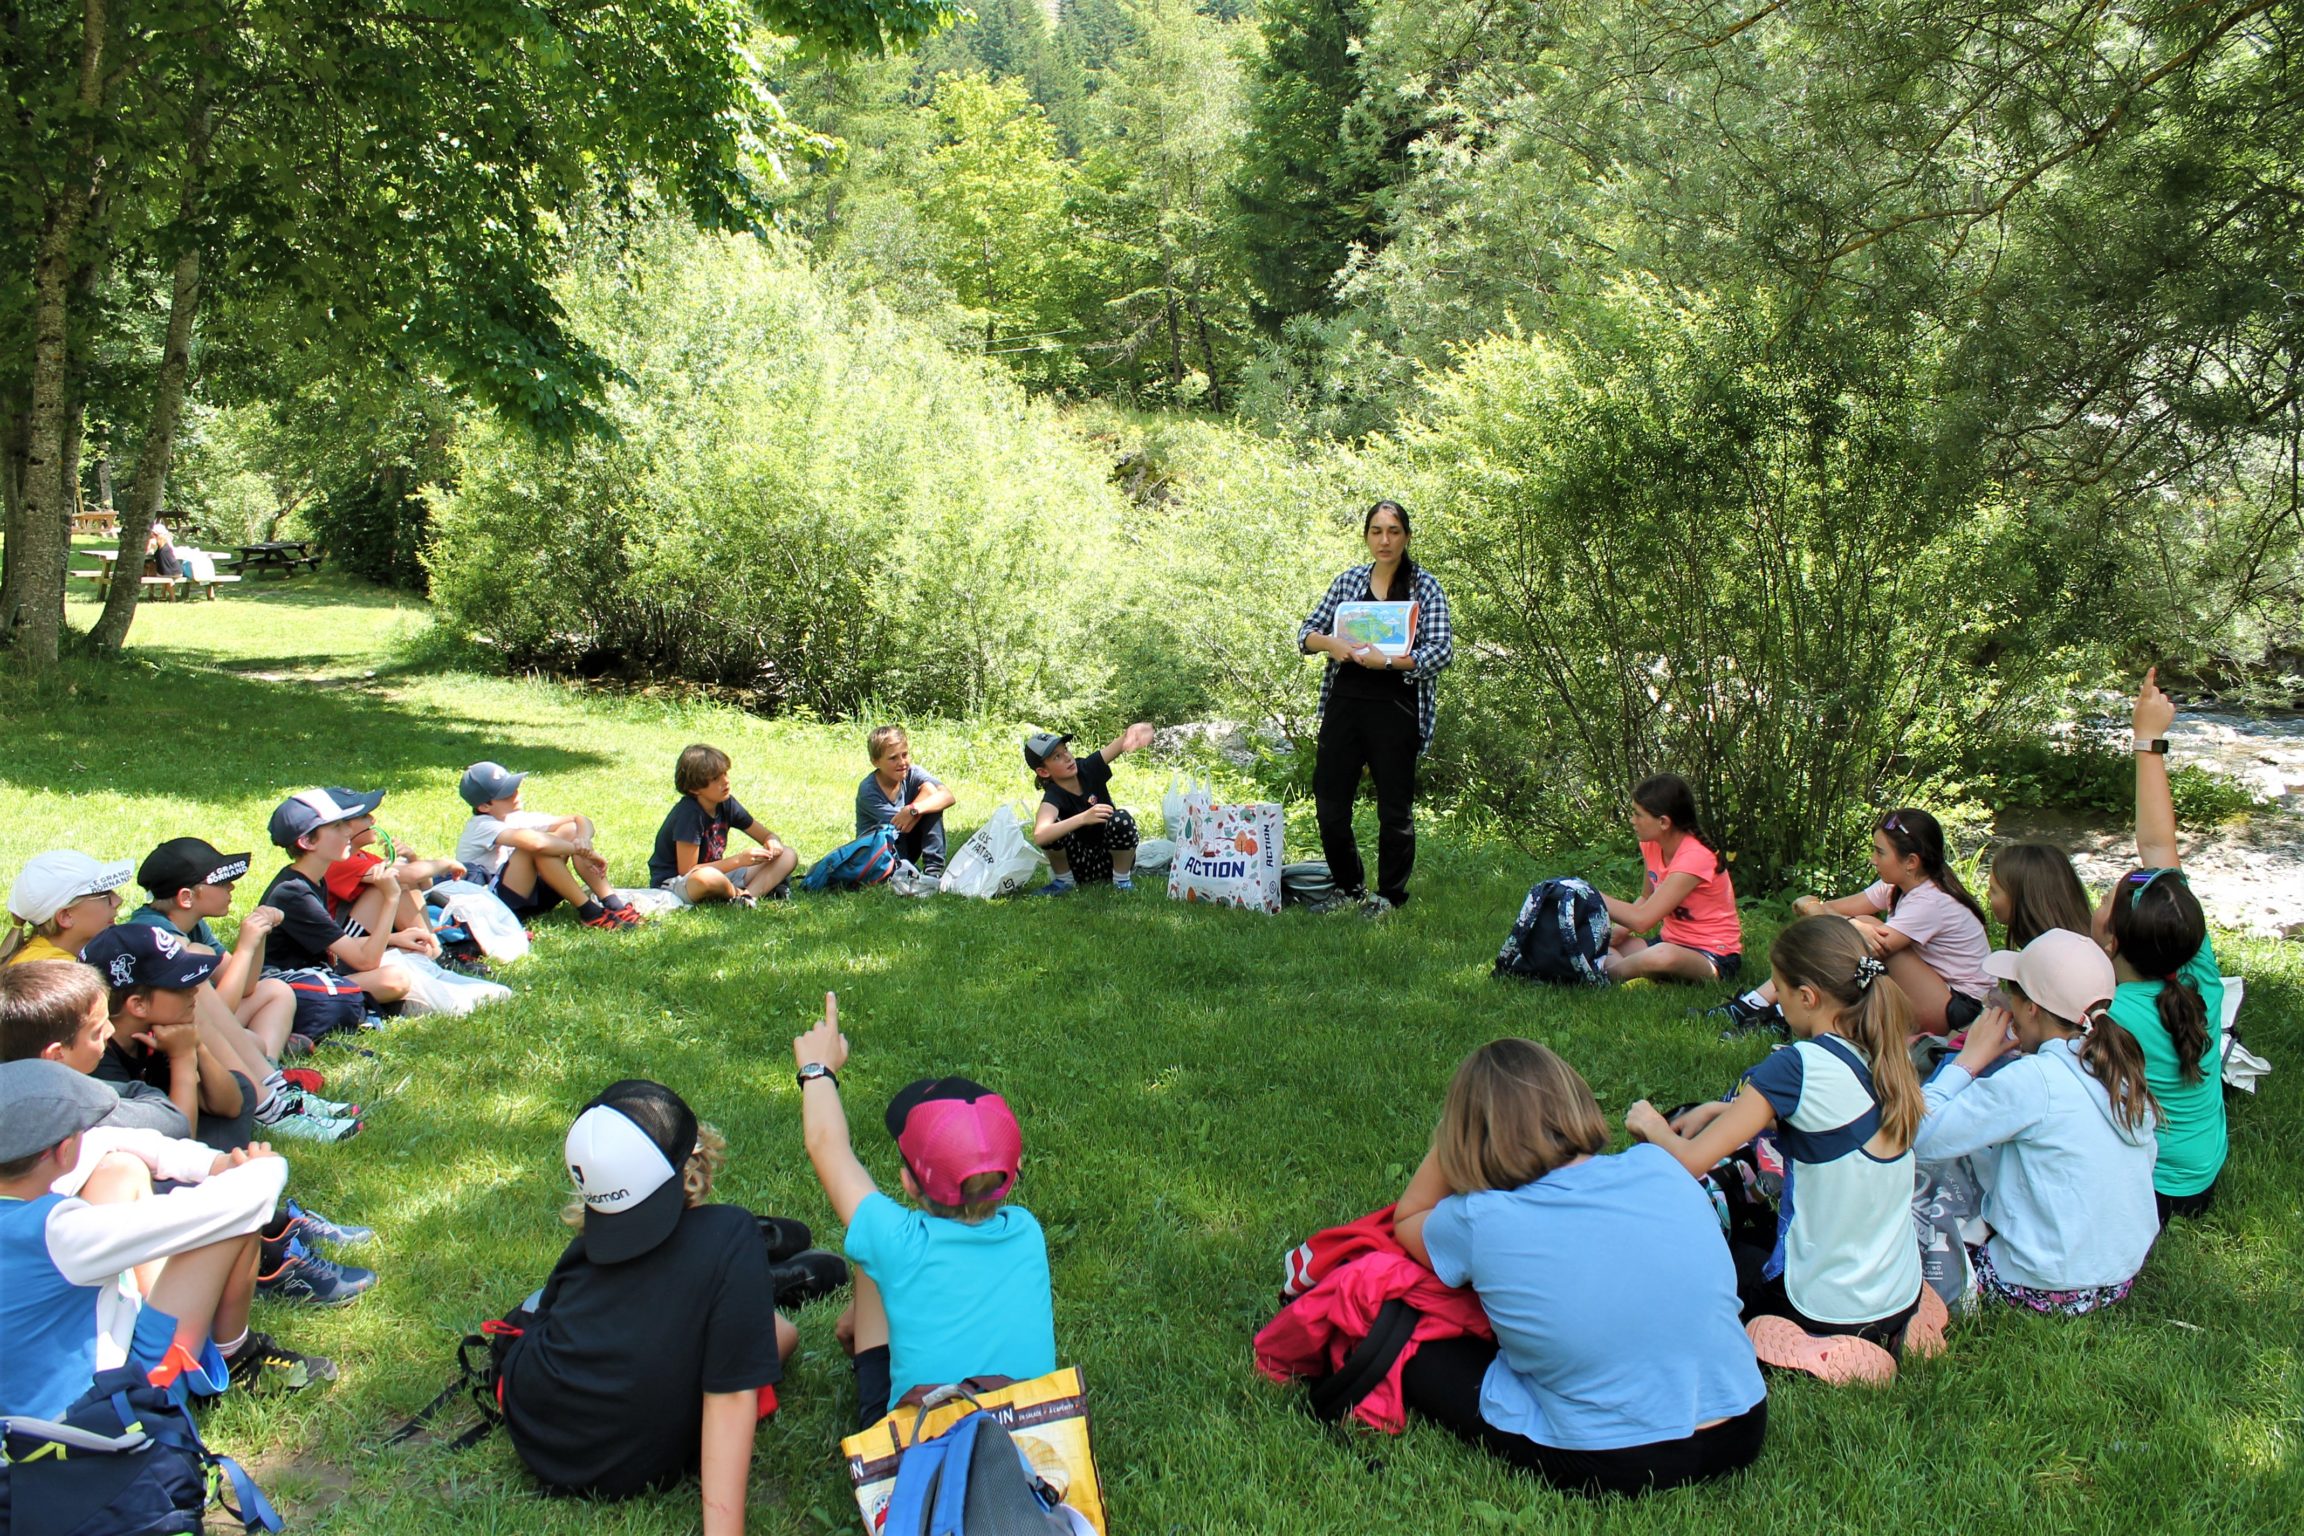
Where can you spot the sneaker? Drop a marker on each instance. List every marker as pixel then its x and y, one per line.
pixel 261 1364
pixel 628 916
pixel 1375 907
pixel 604 919
pixel 303 1103
pixel 464 965
pixel 298 1045
pixel 314 1227
pixel 303 1078
pixel 299 1127
pixel 807 1277
pixel 1058 888
pixel 1924 1333
pixel 303 1277
pixel 1742 1018
pixel 1841 1358
pixel 785 1237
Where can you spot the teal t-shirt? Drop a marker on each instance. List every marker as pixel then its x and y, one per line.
pixel 153 917
pixel 2191 1113
pixel 962 1299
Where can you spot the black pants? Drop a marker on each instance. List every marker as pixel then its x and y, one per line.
pixel 1442 1382
pixel 924 844
pixel 2184 1205
pixel 1767 1298
pixel 1380 736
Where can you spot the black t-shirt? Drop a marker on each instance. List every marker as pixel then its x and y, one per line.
pixel 1095 777
pixel 605 1392
pixel 689 822
pixel 306 930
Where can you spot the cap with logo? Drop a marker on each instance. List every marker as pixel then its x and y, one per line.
pixel 484 782
pixel 44 1102
pixel 2064 972
pixel 1039 744
pixel 184 862
pixel 140 955
pixel 52 881
pixel 949 1130
pixel 625 1153
pixel 299 816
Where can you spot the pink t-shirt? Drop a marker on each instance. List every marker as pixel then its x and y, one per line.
pixel 1944 934
pixel 1707 919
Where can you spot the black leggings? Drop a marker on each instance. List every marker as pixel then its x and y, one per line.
pixel 1379 735
pixel 2184 1205
pixel 1442 1382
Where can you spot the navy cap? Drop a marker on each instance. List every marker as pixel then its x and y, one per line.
pixel 484 782
pixel 141 955
pixel 43 1103
pixel 301 815
pixel 1039 744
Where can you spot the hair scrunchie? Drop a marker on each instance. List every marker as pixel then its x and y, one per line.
pixel 1868 970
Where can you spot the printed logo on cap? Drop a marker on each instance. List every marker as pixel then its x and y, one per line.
pixel 169 945
pixel 226 872
pixel 123 970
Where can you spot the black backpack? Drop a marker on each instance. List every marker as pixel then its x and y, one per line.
pixel 1560 936
pixel 971 1480
pixel 125 1460
pixel 1331 1397
pixel 479 1371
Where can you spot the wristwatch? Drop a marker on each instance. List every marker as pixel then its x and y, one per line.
pixel 813 1071
pixel 2158 745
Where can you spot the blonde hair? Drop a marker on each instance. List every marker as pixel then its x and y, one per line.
pixel 1829 954
pixel 882 738
pixel 696 1175
pixel 699 765
pixel 977 1199
pixel 1514 1112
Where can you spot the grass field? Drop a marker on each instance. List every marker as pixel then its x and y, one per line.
pixel 1199 1089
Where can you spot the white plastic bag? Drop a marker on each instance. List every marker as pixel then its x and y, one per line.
pixel 1229 854
pixel 1176 805
pixel 997 860
pixel 2242 1066
pixel 432 988
pixel 1155 854
pixel 482 913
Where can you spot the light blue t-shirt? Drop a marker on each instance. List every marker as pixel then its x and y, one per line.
pixel 962 1300
pixel 1613 1298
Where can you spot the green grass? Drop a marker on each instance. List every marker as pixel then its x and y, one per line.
pixel 1199 1090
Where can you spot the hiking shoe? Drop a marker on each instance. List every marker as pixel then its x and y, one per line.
pixel 1841 1358
pixel 294 1126
pixel 1376 907
pixel 1924 1333
pixel 807 1277
pixel 785 1237
pixel 303 1103
pixel 297 1045
pixel 314 1227
pixel 1741 1018
pixel 303 1277
pixel 628 916
pixel 604 919
pixel 304 1078
pixel 261 1364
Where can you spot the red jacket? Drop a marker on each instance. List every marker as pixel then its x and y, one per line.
pixel 1339 1281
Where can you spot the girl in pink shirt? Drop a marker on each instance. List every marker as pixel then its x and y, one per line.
pixel 1920 920
pixel 1688 895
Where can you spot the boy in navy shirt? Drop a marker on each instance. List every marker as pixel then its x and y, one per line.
pixel 692 860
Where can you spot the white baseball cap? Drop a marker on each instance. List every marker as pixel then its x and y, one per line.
pixel 2064 972
pixel 625 1153
pixel 50 882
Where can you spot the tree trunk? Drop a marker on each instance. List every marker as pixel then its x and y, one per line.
pixel 39 584
pixel 104 479
pixel 149 488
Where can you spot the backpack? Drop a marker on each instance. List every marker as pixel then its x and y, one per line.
pixel 485 1381
pixel 1369 1364
pixel 971 1480
pixel 1307 883
pixel 125 1460
pixel 862 861
pixel 1560 936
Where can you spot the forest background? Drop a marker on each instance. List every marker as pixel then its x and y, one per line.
pixel 1819 399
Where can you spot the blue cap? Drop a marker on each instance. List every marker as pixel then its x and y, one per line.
pixel 484 782
pixel 303 814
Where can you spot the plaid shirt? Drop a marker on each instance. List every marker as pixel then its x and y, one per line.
pixel 1434 649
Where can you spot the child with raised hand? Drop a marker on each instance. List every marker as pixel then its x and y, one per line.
pixel 2171 992
pixel 957 1288
pixel 1619 1365
pixel 534 860
pixel 1088 838
pixel 691 859
pixel 900 793
pixel 2033 889
pixel 61 900
pixel 1842 1294
pixel 1917 919
pixel 1688 893
pixel 2061 1136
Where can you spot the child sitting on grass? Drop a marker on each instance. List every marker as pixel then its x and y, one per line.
pixel 355 882
pixel 314 829
pixel 691 859
pixel 2033 888
pixel 899 793
pixel 531 860
pixel 1842 1294
pixel 1089 839
pixel 59 902
pixel 163 1283
pixel 958 1288
pixel 1688 893
pixel 190 884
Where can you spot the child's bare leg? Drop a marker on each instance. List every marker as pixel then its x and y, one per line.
pixel 222 1033
pixel 385 984
pixel 708 884
pixel 207 1291
pixel 593 871
pixel 787 1337
pixel 1123 861
pixel 1662 962
pixel 864 1324
pixel 1059 863
pixel 1623 941
pixel 524 871
pixel 373 909
pixel 1929 995
pixel 763 878
pixel 268 1012
pixel 117 1179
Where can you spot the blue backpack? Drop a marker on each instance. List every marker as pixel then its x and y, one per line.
pixel 867 860
pixel 1560 937
pixel 971 1480
pixel 125 1460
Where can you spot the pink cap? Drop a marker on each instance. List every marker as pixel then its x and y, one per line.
pixel 949 1131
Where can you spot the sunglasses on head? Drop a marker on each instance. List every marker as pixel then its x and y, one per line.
pixel 1894 823
pixel 2142 880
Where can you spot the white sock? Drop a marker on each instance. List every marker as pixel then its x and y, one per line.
pixel 233 1348
pixel 1123 883
pixel 1755 999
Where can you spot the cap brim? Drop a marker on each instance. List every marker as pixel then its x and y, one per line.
pixel 629 1234
pixel 233 866
pixel 2003 964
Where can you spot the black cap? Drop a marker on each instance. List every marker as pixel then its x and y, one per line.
pixel 627 1152
pixel 141 955
pixel 183 862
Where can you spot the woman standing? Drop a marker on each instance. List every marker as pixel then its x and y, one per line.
pixel 1376 711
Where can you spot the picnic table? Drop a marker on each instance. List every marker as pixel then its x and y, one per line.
pixel 286 556
pixel 199 574
pixel 96 523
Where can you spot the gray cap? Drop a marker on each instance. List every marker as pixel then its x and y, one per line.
pixel 484 782
pixel 1039 744
pixel 44 1102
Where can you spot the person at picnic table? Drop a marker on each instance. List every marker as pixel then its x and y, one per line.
pixel 160 551
pixel 1376 710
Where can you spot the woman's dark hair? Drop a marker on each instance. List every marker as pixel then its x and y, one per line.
pixel 2044 893
pixel 1404 579
pixel 1916 834
pixel 2158 924
pixel 1668 795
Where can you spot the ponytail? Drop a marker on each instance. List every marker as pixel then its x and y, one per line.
pixel 2114 1059
pixel 2160 929
pixel 2184 1014
pixel 14 937
pixel 1826 952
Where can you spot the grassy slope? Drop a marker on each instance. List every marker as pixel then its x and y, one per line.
pixel 1199 1089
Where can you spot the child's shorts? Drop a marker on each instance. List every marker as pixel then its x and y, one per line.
pixel 1089 851
pixel 872 1384
pixel 536 902
pixel 1726 967
pixel 151 1349
pixel 1960 1011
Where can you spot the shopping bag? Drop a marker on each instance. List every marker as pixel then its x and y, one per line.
pixel 1229 855
pixel 997 860
pixel 1047 1416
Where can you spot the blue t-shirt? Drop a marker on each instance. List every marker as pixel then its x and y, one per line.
pixel 876 808
pixel 962 1299
pixel 153 917
pixel 1613 1299
pixel 49 1323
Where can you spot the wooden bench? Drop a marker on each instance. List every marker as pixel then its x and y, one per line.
pixel 200 574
